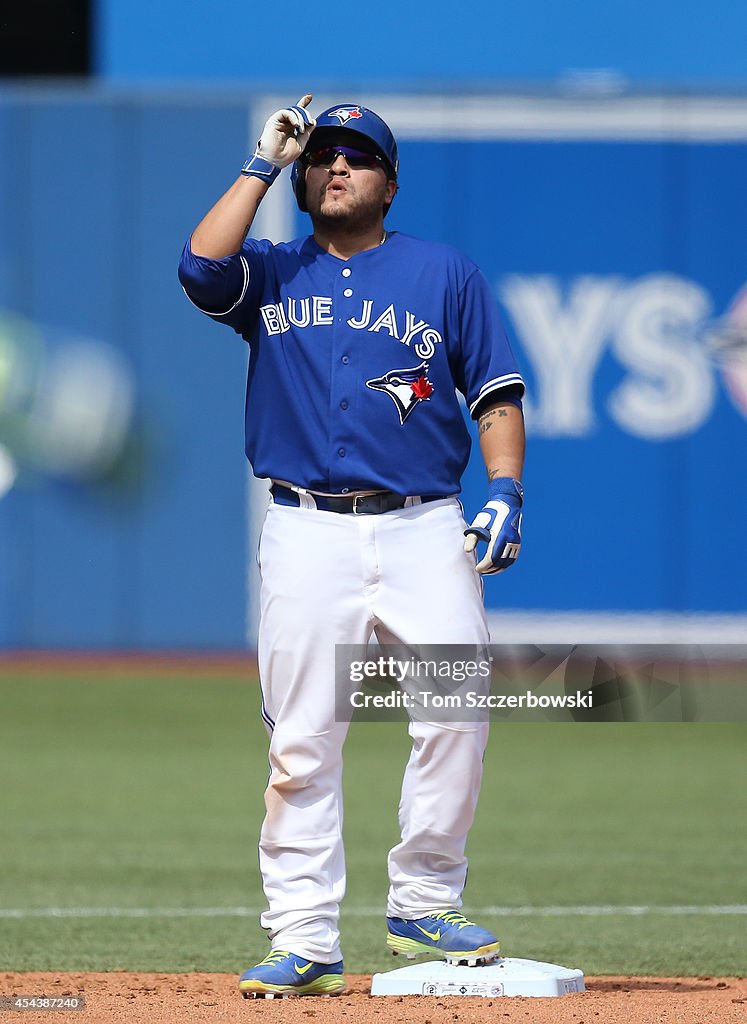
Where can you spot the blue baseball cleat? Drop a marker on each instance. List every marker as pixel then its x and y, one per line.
pixel 284 974
pixel 447 933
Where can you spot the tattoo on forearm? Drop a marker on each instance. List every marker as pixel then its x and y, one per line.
pixel 485 421
pixel 493 474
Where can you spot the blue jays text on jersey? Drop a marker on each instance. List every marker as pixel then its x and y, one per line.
pixel 315 310
pixel 354 364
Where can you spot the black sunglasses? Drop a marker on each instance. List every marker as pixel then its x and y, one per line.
pixel 354 158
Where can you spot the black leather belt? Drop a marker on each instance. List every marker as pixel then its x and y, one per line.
pixel 355 504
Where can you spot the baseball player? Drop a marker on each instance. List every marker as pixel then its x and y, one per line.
pixel 360 340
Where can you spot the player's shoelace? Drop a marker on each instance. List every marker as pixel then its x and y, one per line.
pixel 274 958
pixel 452 918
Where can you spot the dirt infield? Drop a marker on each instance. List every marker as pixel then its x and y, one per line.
pixel 121 997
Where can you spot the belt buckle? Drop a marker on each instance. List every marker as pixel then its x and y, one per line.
pixel 356 499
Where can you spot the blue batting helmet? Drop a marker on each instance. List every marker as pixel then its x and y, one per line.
pixel 358 121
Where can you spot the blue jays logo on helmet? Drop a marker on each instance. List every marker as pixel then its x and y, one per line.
pixel 345 114
pixel 354 120
pixel 406 388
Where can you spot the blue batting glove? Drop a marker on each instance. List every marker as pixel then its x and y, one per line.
pixel 499 525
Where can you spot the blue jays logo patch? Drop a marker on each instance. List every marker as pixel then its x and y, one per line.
pixel 345 114
pixel 406 388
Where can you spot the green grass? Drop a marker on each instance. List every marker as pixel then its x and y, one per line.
pixel 145 791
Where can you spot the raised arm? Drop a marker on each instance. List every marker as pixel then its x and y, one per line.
pixel 222 231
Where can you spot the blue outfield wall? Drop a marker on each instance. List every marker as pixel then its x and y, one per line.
pixel 618 263
pixel 95 206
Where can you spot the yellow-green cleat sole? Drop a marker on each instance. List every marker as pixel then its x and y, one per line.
pixel 325 985
pixel 411 948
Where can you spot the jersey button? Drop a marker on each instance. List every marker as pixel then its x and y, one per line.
pixel 344 490
pixel 348 292
pixel 345 360
pixel 344 404
pixel 341 452
pixel 347 272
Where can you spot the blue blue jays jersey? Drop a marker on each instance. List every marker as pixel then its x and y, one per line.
pixel 355 364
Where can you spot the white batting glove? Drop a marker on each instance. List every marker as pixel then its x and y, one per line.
pixel 283 140
pixel 286 133
pixel 498 523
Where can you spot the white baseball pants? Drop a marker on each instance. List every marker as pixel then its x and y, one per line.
pixel 332 579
